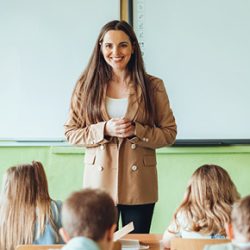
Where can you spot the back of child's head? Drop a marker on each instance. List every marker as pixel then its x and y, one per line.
pixel 241 218
pixel 29 181
pixel 208 200
pixel 89 213
pixel 19 180
pixel 24 200
pixel 210 185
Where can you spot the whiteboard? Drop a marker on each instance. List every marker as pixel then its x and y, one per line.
pixel 44 47
pixel 201 49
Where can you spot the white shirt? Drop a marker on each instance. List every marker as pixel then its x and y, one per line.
pixel 80 243
pixel 185 231
pixel 116 108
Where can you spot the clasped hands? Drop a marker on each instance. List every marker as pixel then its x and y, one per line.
pixel 119 127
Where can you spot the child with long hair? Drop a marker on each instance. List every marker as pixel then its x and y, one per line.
pixel 206 206
pixel 28 214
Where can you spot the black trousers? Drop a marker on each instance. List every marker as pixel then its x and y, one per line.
pixel 141 215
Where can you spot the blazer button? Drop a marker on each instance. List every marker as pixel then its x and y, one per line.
pixel 102 147
pixel 100 168
pixel 133 146
pixel 134 168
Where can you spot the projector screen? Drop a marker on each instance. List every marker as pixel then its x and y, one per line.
pixel 201 49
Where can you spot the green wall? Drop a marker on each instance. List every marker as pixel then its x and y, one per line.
pixel 64 168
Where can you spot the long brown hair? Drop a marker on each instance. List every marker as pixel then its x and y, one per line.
pixel 89 90
pixel 208 200
pixel 24 201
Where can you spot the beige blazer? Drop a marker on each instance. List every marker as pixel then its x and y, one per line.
pixel 126 168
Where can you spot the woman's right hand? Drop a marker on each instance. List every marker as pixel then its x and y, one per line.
pixel 119 127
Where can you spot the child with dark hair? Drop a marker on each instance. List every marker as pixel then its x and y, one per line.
pixel 89 220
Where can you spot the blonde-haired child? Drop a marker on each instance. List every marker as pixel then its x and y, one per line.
pixel 28 214
pixel 206 206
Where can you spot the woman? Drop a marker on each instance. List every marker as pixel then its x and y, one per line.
pixel 206 207
pixel 121 115
pixel 28 214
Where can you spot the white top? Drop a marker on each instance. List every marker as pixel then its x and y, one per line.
pixel 184 231
pixel 116 108
pixel 241 245
pixel 80 242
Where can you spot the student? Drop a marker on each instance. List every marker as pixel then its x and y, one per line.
pixel 206 206
pixel 28 214
pixel 89 220
pixel 239 228
pixel 121 114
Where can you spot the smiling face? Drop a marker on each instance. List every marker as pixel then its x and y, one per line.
pixel 117 49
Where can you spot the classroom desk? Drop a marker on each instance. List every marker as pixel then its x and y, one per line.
pixel 153 240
